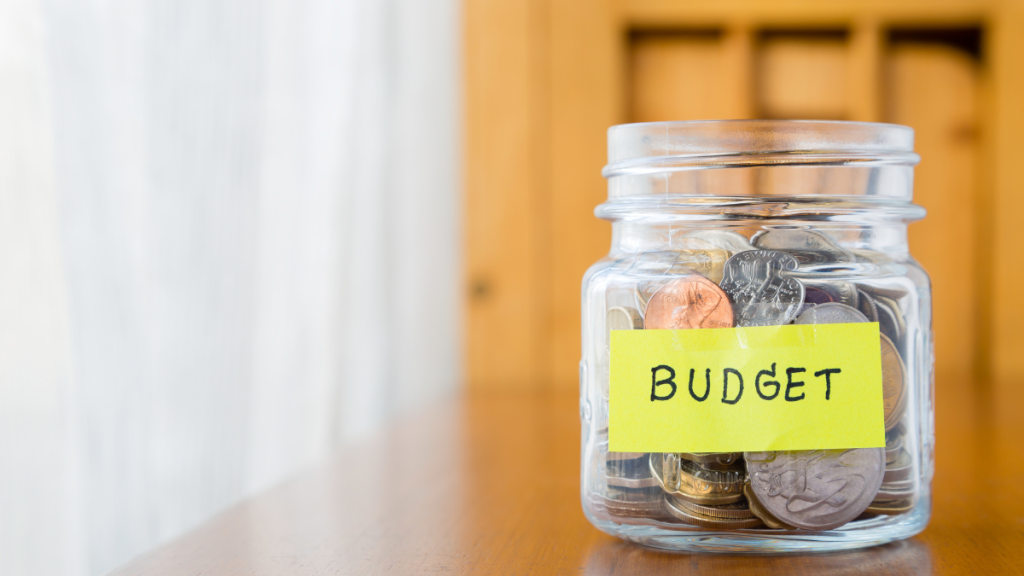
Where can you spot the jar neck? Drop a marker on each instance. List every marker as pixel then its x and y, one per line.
pixel 632 236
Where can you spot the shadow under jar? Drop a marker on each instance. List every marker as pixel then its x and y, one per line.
pixel 735 240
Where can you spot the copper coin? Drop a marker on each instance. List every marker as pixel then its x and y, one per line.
pixel 894 383
pixel 689 302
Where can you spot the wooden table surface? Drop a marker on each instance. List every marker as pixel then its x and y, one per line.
pixel 490 484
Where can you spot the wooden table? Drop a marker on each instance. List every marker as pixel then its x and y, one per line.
pixel 490 484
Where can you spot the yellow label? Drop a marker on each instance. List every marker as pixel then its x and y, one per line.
pixel 796 387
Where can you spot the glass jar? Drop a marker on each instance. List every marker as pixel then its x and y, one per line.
pixel 726 237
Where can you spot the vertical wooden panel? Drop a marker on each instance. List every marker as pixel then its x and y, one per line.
pixel 738 64
pixel 545 79
pixel 865 60
pixel 677 77
pixel 586 98
pixel 934 89
pixel 803 77
pixel 690 75
pixel 505 102
pixel 1003 237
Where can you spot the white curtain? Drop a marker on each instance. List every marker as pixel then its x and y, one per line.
pixel 228 243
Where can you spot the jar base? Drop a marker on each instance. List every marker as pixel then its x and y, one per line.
pixel 681 538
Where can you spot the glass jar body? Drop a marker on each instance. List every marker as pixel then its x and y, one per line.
pixel 848 258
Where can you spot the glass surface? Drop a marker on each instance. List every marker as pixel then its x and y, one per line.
pixel 851 252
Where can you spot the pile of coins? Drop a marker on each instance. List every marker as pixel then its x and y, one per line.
pixel 720 279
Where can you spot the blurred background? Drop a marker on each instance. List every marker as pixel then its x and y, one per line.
pixel 237 235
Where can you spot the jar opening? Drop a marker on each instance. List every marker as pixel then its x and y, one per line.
pixel 764 158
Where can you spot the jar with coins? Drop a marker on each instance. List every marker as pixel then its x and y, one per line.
pixel 757 348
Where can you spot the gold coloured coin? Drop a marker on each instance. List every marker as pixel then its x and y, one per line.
pixel 716 461
pixel 689 481
pixel 708 521
pixel 894 383
pixel 734 511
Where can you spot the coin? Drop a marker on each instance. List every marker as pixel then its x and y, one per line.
pixel 807 246
pixel 629 473
pixel 712 523
pixel 632 504
pixel 842 292
pixel 814 296
pixel 899 470
pixel 816 489
pixel 867 305
pixel 716 461
pixel 758 510
pixel 893 447
pixel 689 302
pixel 690 481
pixel 735 511
pixel 760 293
pixel 723 239
pixel 831 313
pixel 901 324
pixel 891 508
pixel 624 318
pixel 891 491
pixel 708 263
pixel 894 383
pixel 889 319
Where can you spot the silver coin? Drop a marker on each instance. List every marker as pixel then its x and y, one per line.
pixel 842 292
pixel 867 305
pixel 816 489
pixel 901 469
pixel 892 304
pixel 760 293
pixel 810 248
pixel 624 318
pixel 831 313
pixel 895 491
pixel 887 320
pixel 722 239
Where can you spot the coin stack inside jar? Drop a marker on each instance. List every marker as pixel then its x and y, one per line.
pixel 782 275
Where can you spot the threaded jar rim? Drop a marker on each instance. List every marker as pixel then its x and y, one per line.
pixel 661 147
